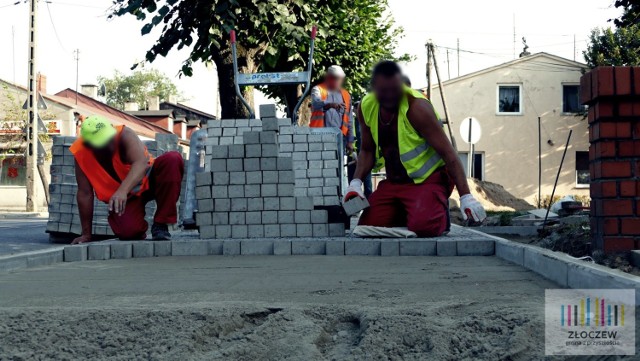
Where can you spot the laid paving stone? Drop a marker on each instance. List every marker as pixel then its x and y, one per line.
pixel 509 251
pixel 214 247
pixel 162 248
pixel 362 248
pixel 475 248
pixel 446 248
pixel 99 252
pixel 308 247
pixel 417 248
pixel 142 249
pixel 547 264
pixel 256 248
pixel 389 248
pixel 282 248
pixel 44 258
pixel 190 248
pixel 335 248
pixel 231 247
pixel 76 253
pixel 121 250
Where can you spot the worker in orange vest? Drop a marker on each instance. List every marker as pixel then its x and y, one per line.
pixel 331 105
pixel 113 163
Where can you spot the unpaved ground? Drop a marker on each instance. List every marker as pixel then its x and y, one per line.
pixel 493 197
pixel 274 308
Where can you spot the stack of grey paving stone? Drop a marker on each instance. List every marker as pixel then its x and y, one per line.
pixel 249 186
pixel 63 207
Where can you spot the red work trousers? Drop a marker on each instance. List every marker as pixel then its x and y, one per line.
pixel 164 187
pixel 420 207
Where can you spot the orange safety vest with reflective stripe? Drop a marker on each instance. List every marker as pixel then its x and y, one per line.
pixel 317 116
pixel 102 182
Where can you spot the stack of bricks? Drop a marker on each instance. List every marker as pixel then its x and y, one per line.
pixel 63 207
pixel 248 188
pixel 613 96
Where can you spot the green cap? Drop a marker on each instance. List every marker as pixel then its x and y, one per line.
pixel 97 131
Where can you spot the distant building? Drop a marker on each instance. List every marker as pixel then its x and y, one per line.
pixel 507 100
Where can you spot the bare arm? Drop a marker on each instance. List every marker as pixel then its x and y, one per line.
pixel 134 154
pixel 423 119
pixel 367 153
pixel 85 205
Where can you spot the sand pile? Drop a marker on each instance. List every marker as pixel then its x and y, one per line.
pixel 493 197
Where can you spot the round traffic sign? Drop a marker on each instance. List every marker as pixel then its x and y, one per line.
pixel 470 124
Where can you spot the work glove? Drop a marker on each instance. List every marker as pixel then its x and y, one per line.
pixel 354 190
pixel 472 209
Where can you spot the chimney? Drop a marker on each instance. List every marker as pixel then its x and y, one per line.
pixel 172 99
pixel 131 107
pixel 90 90
pixel 153 103
pixel 41 83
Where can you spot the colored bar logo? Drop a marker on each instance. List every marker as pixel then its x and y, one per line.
pixel 580 314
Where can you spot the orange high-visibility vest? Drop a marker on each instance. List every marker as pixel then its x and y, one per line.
pixel 317 116
pixel 102 182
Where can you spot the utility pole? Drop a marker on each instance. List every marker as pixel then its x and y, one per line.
pixel 458 57
pixel 442 97
pixel 76 55
pixel 428 46
pixel 448 66
pixel 574 47
pixel 32 112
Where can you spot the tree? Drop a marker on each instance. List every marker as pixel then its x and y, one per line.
pixel 272 35
pixel 619 46
pixel 137 87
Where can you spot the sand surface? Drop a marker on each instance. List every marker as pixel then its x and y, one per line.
pixel 274 308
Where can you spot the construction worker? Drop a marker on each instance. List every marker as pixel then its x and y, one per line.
pixel 331 105
pixel 113 163
pixel 78 119
pixel 400 129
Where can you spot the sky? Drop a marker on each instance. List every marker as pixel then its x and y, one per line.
pixel 484 28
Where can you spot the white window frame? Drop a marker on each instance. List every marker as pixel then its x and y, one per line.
pixel 498 112
pixel 562 112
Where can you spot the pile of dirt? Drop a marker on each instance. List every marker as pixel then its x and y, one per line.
pixel 493 197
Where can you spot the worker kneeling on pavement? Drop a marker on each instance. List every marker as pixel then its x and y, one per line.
pixel 401 131
pixel 113 163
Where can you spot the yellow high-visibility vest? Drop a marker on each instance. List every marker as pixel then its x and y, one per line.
pixel 418 158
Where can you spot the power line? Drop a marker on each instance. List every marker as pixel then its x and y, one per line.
pixel 75 4
pixel 55 30
pixel 12 4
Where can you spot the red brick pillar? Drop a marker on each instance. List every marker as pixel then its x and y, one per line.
pixel 613 96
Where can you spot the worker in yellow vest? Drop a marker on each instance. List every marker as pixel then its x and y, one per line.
pixel 331 105
pixel 401 131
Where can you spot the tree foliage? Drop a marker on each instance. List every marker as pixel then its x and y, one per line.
pixel 631 12
pixel 272 35
pixel 137 87
pixel 619 46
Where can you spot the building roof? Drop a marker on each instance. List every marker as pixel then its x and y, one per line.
pixel 188 109
pixel 88 106
pixel 534 62
pixel 152 113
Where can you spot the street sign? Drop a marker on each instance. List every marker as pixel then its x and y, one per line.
pixel 470 130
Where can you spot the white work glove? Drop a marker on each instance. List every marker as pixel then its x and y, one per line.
pixel 353 190
pixel 470 207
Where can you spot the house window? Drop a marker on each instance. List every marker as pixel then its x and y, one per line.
pixel 13 170
pixel 582 169
pixel 571 99
pixel 509 99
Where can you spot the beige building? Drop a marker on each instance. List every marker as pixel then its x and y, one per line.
pixel 507 101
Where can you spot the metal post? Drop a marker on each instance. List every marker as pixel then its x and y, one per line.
pixel 458 57
pixel 448 66
pixel 428 46
pixel 553 192
pixel 235 75
pixel 444 101
pixel 32 112
pixel 470 156
pixel 307 87
pixel 77 56
pixel 539 163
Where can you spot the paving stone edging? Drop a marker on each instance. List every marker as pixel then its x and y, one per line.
pixel 563 269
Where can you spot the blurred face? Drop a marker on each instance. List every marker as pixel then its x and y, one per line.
pixel 105 151
pixel 388 90
pixel 333 82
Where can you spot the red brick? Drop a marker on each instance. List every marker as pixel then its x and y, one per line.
pixel 630 226
pixel 606 149
pixel 595 190
pixel 628 188
pixel 592 153
pixel 618 244
pixel 585 88
pixel 621 207
pixel 611 169
pixel 636 126
pixel 623 129
pixel 636 79
pixel 636 170
pixel 625 108
pixel 623 80
pixel 603 109
pixel 591 115
pixel 604 81
pixel 609 189
pixel 628 148
pixel 610 227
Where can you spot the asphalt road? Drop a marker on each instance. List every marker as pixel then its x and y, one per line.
pixel 23 235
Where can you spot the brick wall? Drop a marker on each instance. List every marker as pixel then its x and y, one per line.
pixel 613 96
